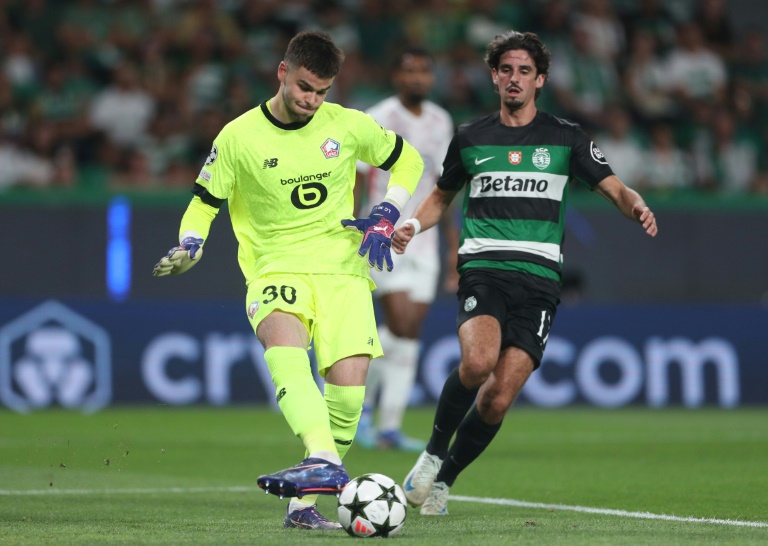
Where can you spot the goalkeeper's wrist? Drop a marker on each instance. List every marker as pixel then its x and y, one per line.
pixel 415 223
pixel 387 210
pixel 189 234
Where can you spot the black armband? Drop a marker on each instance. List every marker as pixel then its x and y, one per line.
pixel 394 156
pixel 206 197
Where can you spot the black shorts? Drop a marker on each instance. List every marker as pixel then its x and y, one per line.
pixel 524 313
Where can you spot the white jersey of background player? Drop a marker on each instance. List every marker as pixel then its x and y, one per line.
pixel 405 293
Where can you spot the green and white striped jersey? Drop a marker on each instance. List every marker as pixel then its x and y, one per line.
pixel 517 189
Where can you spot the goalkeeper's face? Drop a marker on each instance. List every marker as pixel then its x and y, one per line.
pixel 414 78
pixel 302 92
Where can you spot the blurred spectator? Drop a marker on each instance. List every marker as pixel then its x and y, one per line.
pixel 380 30
pixel 134 172
pixel 36 161
pixel 606 33
pixel 694 71
pixel 63 102
pixel 331 17
pixel 166 145
pixel 583 83
pixel 731 163
pixel 205 77
pixel 552 24
pixel 645 80
pixel 488 18
pixel 436 25
pixel 652 17
pixel 622 147
pixel 667 167
pixel 749 69
pixel 19 65
pixel 39 21
pixel 204 19
pixel 713 18
pixel 123 111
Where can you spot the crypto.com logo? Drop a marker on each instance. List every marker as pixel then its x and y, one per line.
pixel 53 355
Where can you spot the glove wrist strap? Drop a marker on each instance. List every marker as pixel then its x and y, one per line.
pixel 386 210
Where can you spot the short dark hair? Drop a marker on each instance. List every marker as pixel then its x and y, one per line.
pixel 414 51
pixel 316 52
pixel 527 41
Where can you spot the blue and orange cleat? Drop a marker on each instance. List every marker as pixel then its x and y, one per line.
pixel 310 519
pixel 311 476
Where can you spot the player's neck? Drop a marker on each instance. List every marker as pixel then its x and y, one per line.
pixel 519 117
pixel 413 107
pixel 277 109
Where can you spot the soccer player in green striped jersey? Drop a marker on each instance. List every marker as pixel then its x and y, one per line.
pixel 287 169
pixel 516 165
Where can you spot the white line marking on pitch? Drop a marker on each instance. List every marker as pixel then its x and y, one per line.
pixel 459 498
pixel 607 511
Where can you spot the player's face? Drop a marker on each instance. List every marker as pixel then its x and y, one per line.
pixel 302 91
pixel 414 79
pixel 516 79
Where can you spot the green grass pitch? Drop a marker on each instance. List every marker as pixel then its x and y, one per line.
pixel 159 475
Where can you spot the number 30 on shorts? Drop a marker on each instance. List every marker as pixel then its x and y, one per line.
pixel 288 293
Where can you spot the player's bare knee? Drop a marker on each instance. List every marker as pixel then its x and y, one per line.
pixel 493 407
pixel 474 373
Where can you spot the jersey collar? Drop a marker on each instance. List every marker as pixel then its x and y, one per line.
pixel 279 124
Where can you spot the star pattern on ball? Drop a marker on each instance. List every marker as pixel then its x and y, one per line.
pixel 356 508
pixel 382 529
pixel 388 494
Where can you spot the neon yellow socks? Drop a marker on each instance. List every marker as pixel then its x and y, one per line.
pixel 299 398
pixel 345 404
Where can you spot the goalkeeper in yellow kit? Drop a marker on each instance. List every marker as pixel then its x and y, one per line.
pixel 287 168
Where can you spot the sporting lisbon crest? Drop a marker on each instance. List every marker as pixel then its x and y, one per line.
pixel 470 303
pixel 541 158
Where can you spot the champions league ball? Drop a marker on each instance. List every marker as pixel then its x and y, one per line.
pixel 372 505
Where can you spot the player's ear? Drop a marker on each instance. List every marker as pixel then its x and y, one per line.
pixel 282 70
pixel 540 79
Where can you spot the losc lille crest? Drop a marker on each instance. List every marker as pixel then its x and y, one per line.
pixel 330 148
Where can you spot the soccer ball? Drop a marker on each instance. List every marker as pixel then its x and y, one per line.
pixel 372 505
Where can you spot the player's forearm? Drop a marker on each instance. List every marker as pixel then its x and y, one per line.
pixel 197 218
pixel 433 207
pixel 407 170
pixel 623 197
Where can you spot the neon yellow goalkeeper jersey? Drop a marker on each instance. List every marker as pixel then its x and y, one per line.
pixel 290 185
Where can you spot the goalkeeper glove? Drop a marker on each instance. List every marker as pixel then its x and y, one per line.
pixel 180 258
pixel 377 232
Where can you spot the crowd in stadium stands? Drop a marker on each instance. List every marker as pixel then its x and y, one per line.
pixel 130 93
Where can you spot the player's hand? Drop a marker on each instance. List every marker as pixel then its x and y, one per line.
pixel 377 232
pixel 645 216
pixel 403 236
pixel 180 258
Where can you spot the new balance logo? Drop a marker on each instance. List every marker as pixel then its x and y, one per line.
pixel 370 341
pixel 280 394
pixel 270 163
pixel 478 161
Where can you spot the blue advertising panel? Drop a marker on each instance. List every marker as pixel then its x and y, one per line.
pixel 88 354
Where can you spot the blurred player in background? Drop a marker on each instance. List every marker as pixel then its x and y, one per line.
pixel 516 163
pixel 406 293
pixel 287 168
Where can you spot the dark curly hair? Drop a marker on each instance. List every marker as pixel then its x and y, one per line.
pixel 527 41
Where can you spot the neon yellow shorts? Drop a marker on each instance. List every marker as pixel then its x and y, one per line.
pixel 337 311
